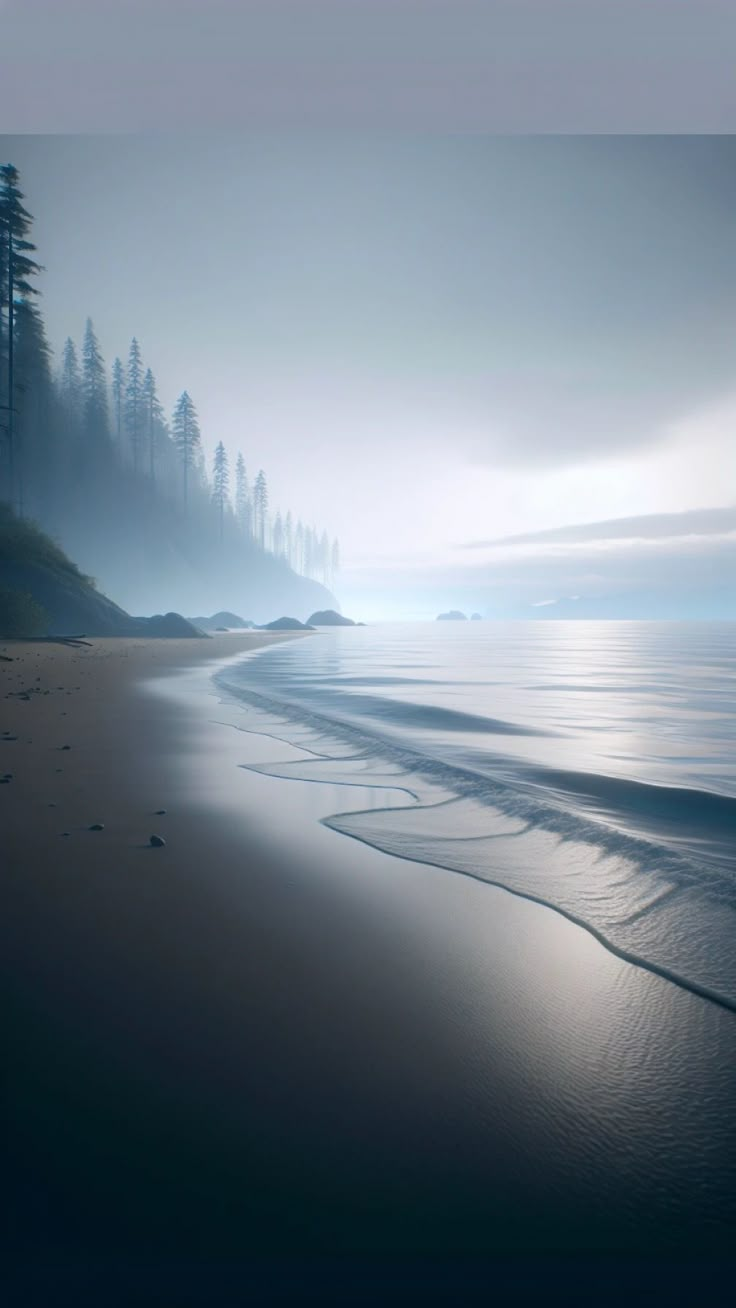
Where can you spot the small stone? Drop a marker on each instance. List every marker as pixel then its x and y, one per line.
pixel 65 833
pixel 53 805
pixel 157 841
pixel 160 812
pixel 4 781
pixel 97 826
pixel 66 747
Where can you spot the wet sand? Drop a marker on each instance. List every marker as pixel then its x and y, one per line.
pixel 265 1062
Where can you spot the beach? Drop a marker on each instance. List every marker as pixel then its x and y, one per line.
pixel 265 1059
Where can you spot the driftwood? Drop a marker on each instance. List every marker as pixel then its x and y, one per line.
pixel 49 640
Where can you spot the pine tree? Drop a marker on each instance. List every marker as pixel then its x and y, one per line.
pixel 220 483
pixel 324 558
pixel 94 386
pixel 16 270
pixel 278 536
pixel 289 539
pixel 260 508
pixel 242 496
pixel 118 391
pixel 134 408
pixel 186 435
pixel 154 419
pixel 70 382
pixel 299 547
pixel 37 465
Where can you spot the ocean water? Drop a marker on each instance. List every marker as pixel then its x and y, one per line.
pixel 589 766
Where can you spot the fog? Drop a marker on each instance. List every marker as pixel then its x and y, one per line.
pixel 424 341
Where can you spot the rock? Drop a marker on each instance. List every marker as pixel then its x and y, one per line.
pixel 453 615
pixel 64 833
pixel 169 624
pixel 97 826
pixel 160 812
pixel 286 624
pixel 66 747
pixel 4 781
pixel 329 618
pixel 226 620
pixel 157 841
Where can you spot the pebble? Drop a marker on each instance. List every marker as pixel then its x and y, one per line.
pixel 97 826
pixel 157 841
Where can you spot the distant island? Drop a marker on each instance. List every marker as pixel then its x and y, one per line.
pixel 453 615
pixel 286 624
pixel 223 621
pixel 330 618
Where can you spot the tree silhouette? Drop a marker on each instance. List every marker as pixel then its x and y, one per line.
pixel 134 407
pixel 242 496
pixel 185 431
pixel 118 392
pixel 15 273
pixel 220 484
pixel 94 386
pixel 278 536
pixel 154 417
pixel 70 382
pixel 260 507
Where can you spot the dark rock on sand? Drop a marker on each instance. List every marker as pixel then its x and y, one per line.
pixel 157 841
pixel 97 826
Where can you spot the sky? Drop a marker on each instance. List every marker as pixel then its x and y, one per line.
pixel 429 340
pixel 499 65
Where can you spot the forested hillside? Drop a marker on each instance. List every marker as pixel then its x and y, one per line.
pixel 90 454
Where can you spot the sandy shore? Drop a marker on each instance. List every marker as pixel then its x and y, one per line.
pixel 84 747
pixel 267 1063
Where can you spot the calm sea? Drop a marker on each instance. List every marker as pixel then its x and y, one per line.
pixel 590 766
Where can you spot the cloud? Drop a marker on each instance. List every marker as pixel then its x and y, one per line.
pixel 657 566
pixel 650 526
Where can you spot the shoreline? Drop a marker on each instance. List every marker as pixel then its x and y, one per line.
pixel 266 1042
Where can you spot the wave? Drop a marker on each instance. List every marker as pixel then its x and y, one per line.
pixel 649 870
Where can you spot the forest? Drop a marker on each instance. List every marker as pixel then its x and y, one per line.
pixel 90 455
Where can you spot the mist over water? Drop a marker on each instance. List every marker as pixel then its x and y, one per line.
pixel 585 765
